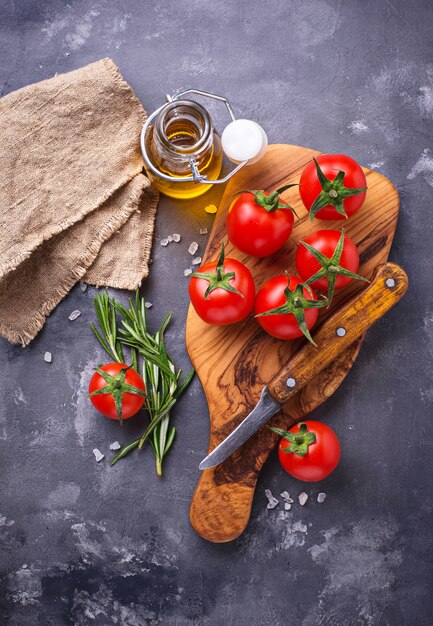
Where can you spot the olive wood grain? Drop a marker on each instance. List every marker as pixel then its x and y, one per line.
pixel 234 363
pixel 340 330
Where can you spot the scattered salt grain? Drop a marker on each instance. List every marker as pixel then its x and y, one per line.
pixel 164 242
pixel 48 357
pixel 187 272
pixel 303 497
pixel 115 445
pixel 193 247
pixel 272 502
pixel 83 287
pixel 176 237
pixel 148 305
pixel 98 454
pixel 169 239
pixel 197 260
pixel 287 500
pixel 321 497
pixel 203 231
pixel 73 316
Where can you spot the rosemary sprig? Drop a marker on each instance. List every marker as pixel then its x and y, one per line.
pixel 127 326
pixel 106 314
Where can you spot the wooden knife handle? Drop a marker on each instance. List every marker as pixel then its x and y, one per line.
pixel 340 330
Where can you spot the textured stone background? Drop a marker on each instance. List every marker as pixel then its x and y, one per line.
pixel 85 544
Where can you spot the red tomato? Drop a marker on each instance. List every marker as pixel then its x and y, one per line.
pixel 309 461
pixel 336 191
pixel 259 224
pixel 222 292
pixel 117 378
pixel 325 241
pixel 272 296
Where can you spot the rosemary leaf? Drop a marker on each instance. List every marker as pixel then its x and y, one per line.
pixel 125 451
pixel 184 384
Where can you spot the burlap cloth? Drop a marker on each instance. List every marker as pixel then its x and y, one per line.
pixel 71 177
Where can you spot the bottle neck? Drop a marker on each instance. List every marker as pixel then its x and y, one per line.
pixel 183 131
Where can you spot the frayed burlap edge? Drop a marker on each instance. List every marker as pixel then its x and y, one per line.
pixel 25 336
pixel 150 199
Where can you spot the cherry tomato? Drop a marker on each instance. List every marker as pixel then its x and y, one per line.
pixel 283 324
pixel 259 224
pixel 222 292
pixel 118 378
pixel 325 241
pixel 309 450
pixel 342 183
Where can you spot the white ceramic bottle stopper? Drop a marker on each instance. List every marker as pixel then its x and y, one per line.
pixel 244 140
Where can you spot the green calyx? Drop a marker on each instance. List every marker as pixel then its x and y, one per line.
pixel 272 201
pixel 116 386
pixel 333 192
pixel 219 279
pixel 331 267
pixel 296 304
pixel 299 442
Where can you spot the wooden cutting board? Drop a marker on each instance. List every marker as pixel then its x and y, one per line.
pixel 235 362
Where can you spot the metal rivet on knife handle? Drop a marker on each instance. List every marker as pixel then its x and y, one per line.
pixel 291 382
pixel 349 322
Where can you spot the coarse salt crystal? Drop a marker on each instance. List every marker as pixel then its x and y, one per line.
pixel 286 496
pixel 48 357
pixel 148 305
pixel 193 247
pixel 321 497
pixel 73 316
pixel 169 239
pixel 287 500
pixel 83 287
pixel 176 237
pixel 115 445
pixel 203 231
pixel 187 272
pixel 197 260
pixel 303 497
pixel 164 242
pixel 98 454
pixel 272 502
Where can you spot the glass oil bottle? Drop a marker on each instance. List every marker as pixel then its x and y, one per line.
pixel 182 134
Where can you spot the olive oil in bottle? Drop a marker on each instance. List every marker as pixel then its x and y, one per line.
pixel 183 133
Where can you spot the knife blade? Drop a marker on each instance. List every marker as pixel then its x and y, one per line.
pixel 337 333
pixel 265 408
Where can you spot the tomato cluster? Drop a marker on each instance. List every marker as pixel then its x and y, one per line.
pixel 332 187
pixel 259 224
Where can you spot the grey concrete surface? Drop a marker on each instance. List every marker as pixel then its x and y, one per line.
pixel 83 543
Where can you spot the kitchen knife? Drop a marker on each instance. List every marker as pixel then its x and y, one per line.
pixel 337 333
